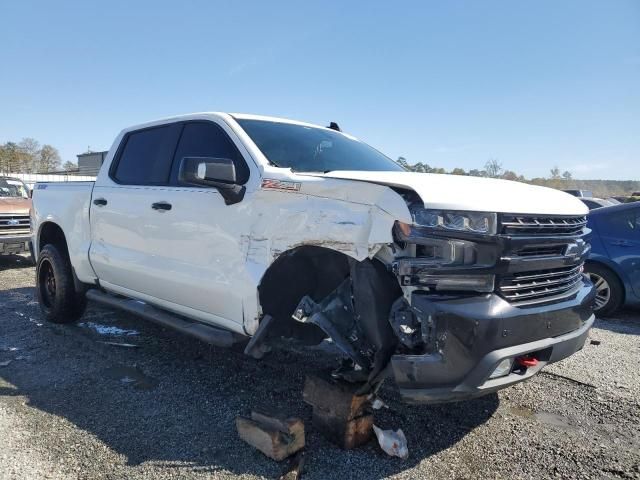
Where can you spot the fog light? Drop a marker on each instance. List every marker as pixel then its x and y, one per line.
pixel 503 368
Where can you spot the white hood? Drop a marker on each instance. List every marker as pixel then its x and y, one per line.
pixel 459 192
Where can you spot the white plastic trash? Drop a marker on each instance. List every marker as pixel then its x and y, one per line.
pixel 393 443
pixel 378 404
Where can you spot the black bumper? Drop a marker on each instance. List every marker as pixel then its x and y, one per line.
pixel 13 244
pixel 473 334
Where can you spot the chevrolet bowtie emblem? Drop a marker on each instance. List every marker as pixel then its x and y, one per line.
pixel 572 250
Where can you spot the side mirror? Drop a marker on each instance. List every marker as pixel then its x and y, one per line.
pixel 219 173
pixel 207 171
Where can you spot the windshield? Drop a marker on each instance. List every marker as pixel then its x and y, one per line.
pixel 312 149
pixel 13 188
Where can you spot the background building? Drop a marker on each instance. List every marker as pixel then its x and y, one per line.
pixel 89 163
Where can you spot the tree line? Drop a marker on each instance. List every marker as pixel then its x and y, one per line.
pixel 492 169
pixel 28 156
pixel 558 178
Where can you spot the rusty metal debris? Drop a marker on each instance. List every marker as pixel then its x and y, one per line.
pixel 339 413
pixel 275 435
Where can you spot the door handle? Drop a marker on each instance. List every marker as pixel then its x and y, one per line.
pixel 162 206
pixel 100 202
pixel 621 243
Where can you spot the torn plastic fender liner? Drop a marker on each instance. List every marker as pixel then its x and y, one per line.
pixel 356 316
pixel 375 289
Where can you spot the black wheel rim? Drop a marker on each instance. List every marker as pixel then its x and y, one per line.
pixel 47 283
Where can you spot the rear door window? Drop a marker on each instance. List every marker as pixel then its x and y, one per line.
pixel 625 224
pixel 146 156
pixel 207 139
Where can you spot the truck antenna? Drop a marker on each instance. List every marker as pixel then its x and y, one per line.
pixel 334 126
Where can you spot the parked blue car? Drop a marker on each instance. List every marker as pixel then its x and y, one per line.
pixel 614 262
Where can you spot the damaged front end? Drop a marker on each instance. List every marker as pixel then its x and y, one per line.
pixel 460 305
pixel 489 300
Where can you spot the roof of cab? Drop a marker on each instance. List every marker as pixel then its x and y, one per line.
pixel 237 116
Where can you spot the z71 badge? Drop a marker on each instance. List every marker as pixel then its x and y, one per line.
pixel 268 183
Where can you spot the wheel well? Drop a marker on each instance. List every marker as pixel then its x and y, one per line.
pixel 306 270
pixel 52 234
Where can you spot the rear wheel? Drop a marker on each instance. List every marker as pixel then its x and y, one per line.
pixel 59 301
pixel 609 289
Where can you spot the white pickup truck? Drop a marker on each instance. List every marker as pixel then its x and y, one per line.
pixel 245 228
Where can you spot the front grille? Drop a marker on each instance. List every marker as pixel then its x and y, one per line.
pixel 537 286
pixel 535 225
pixel 541 250
pixel 14 224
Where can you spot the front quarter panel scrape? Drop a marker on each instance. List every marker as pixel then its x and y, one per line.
pixel 357 223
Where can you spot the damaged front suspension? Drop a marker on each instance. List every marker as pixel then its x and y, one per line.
pixel 356 317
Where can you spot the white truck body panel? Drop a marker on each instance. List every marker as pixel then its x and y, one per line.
pixel 459 192
pixel 67 205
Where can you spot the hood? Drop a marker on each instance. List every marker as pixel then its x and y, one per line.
pixel 15 205
pixel 476 194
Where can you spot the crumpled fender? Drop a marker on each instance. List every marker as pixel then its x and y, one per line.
pixel 354 218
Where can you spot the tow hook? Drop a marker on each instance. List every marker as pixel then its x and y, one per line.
pixel 526 361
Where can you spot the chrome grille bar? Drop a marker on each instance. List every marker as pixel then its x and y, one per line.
pixel 531 225
pixel 14 224
pixel 524 287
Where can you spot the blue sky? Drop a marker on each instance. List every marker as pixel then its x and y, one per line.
pixel 533 84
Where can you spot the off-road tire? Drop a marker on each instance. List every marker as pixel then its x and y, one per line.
pixel 59 301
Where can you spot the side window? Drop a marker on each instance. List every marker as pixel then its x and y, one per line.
pixel 206 139
pixel 623 224
pixel 146 156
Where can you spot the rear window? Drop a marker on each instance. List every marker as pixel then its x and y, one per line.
pixel 147 155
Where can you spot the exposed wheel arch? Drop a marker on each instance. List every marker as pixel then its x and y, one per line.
pixel 306 270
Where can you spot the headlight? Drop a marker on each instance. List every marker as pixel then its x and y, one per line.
pixel 420 273
pixel 444 252
pixel 441 252
pixel 473 222
pixel 443 262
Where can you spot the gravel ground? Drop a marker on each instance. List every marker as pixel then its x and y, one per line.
pixel 72 407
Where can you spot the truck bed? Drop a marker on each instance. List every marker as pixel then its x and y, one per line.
pixel 67 205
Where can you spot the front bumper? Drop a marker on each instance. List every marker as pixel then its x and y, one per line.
pixel 13 244
pixel 472 335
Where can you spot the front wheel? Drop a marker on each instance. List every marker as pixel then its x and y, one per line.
pixel 609 289
pixel 59 301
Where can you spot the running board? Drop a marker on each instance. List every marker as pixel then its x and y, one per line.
pixel 206 333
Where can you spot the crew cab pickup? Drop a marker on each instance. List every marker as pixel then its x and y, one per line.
pixel 242 228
